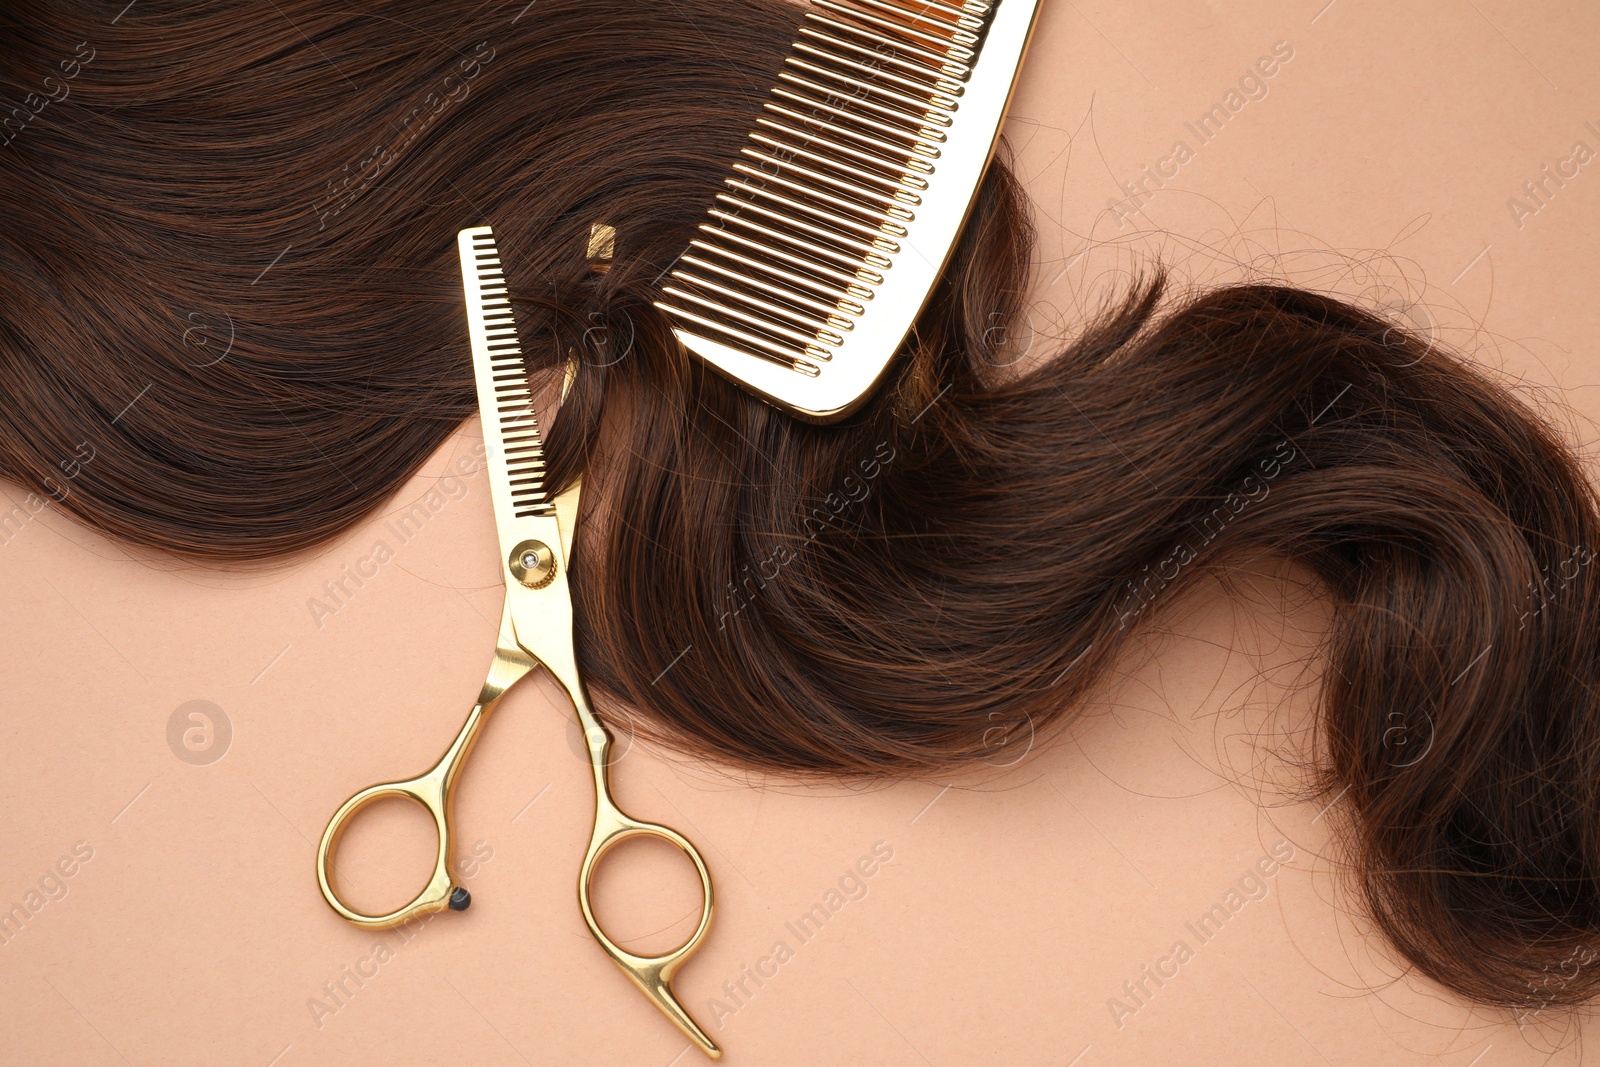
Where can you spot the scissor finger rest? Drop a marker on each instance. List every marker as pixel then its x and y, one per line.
pixel 652 974
pixel 432 790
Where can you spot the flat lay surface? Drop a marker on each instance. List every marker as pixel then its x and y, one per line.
pixel 1143 887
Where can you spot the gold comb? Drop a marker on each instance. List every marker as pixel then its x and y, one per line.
pixel 835 225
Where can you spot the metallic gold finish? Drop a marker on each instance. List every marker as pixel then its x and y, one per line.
pixel 858 177
pixel 793 296
pixel 913 108
pixel 602 247
pixel 935 60
pixel 862 121
pixel 535 630
pixel 894 26
pixel 921 81
pixel 533 564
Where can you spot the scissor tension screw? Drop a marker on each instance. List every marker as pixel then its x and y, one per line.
pixel 533 564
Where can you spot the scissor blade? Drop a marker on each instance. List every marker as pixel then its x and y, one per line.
pixel 511 438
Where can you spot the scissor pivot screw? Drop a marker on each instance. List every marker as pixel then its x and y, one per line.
pixel 459 899
pixel 533 564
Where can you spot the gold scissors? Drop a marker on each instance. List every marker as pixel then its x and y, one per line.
pixel 535 629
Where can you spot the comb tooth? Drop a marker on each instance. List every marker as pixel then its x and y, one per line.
pixel 816 285
pixel 903 108
pixel 913 124
pixel 891 182
pixel 913 138
pixel 955 16
pixel 893 162
pixel 935 88
pixel 917 73
pixel 888 202
pixel 871 277
pixel 913 105
pixel 954 46
pixel 853 285
pixel 910 149
pixel 939 61
pixel 822 335
pixel 841 305
pixel 818 250
pixel 868 215
pixel 882 234
pixel 898 27
pixel 876 235
pixel 893 200
pixel 792 306
pixel 834 325
pixel 795 360
pixel 862 248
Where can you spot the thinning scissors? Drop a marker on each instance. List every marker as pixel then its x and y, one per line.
pixel 535 628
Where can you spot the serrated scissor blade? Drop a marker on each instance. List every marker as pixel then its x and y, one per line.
pixel 514 449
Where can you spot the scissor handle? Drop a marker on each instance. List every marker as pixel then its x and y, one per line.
pixel 652 974
pixel 432 790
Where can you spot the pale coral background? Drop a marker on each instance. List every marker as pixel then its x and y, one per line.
pixel 1018 902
